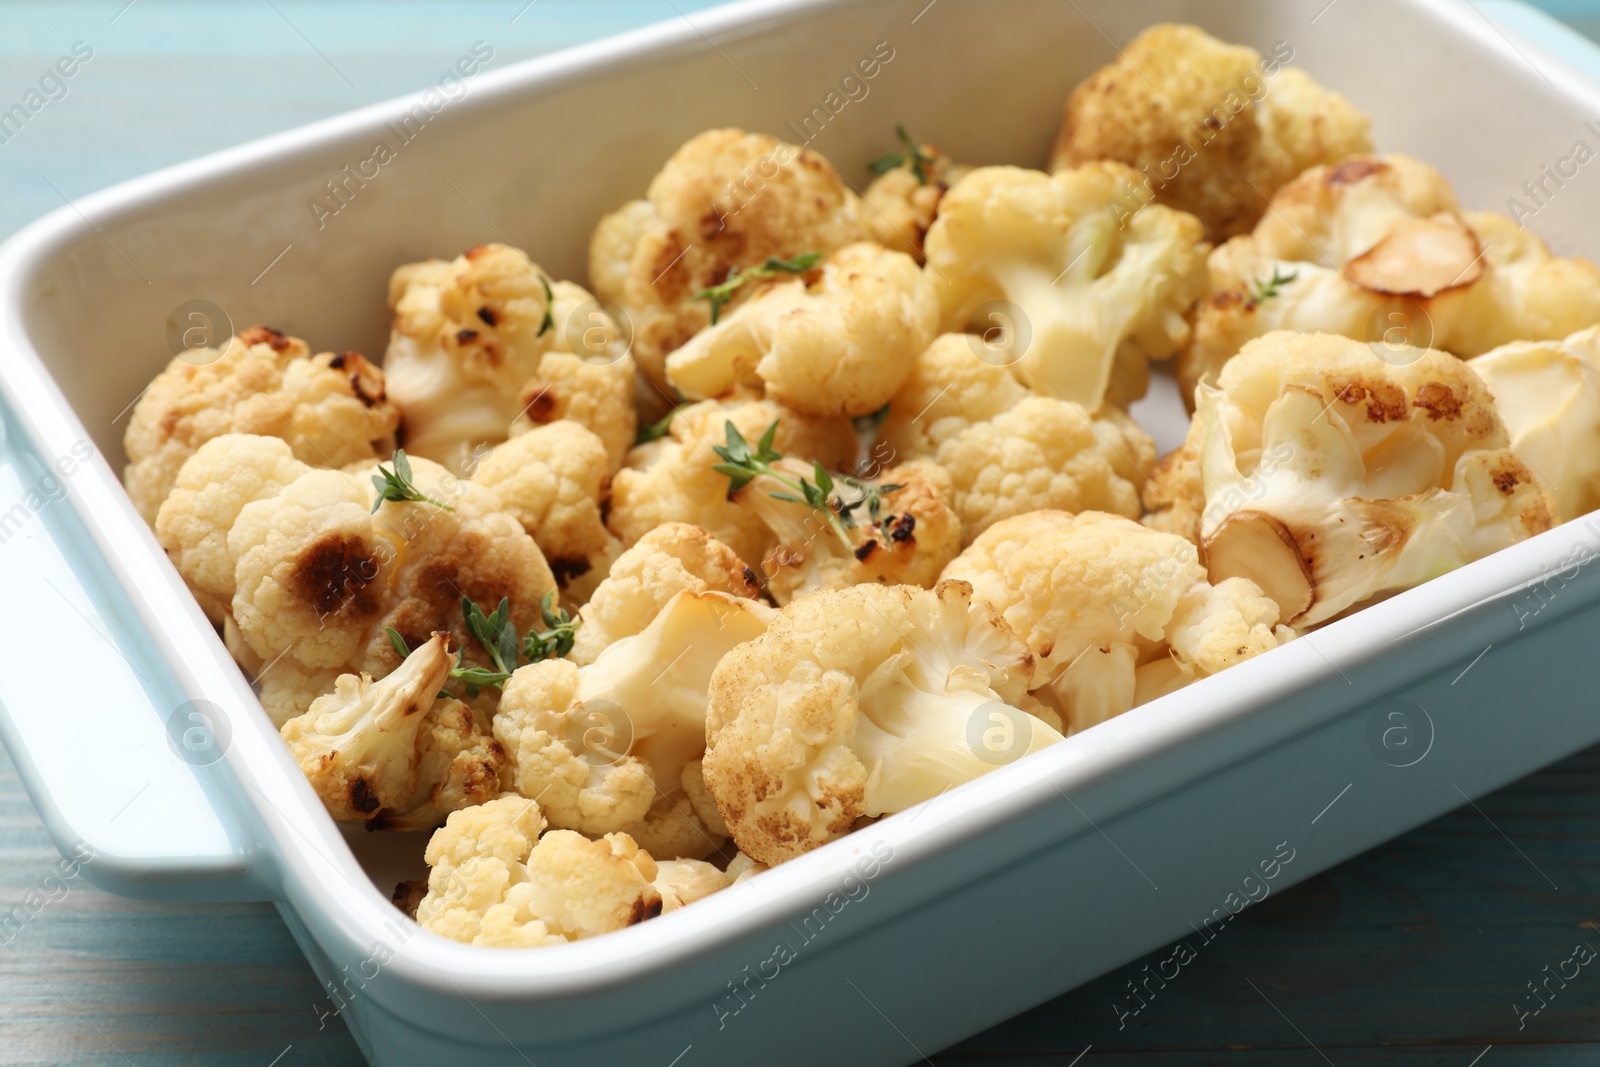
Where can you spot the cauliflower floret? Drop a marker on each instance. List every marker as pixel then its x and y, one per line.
pixel 388 755
pixel 726 199
pixel 1097 597
pixel 682 882
pixel 742 868
pixel 1046 453
pixel 896 529
pixel 553 480
pixel 1215 128
pixel 330 408
pixel 673 480
pixel 319 576
pixel 1330 475
pixel 673 558
pixel 903 200
pixel 861 702
pixel 949 389
pixel 600 744
pixel 489 339
pixel 495 881
pixel 211 488
pixel 1378 250
pixel 1097 286
pixel 1548 395
pixel 842 345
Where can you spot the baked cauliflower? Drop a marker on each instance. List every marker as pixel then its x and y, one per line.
pixel 895 529
pixel 554 481
pixel 862 702
pixel 600 745
pixel 903 200
pixel 330 408
pixel 839 345
pixel 324 566
pixel 1084 288
pixel 1548 395
pixel 1214 128
pixel 1328 475
pixel 389 754
pixel 682 882
pixel 497 879
pixel 487 340
pixel 1377 249
pixel 1099 598
pixel 675 557
pixel 674 479
pixel 727 200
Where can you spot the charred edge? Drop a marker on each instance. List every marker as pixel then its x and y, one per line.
pixel 1506 480
pixel 1355 170
pixel 333 569
pixel 362 798
pixel 265 335
pixel 407 895
pixel 866 548
pixel 487 316
pixel 642 910
pixel 1439 400
pixel 567 568
pixel 366 381
pixel 466 337
pixel 542 407
pixel 751 582
pixel 901 528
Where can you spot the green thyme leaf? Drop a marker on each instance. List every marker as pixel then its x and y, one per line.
pixel 1262 291
pixel 911 155
pixel 397 485
pixel 772 267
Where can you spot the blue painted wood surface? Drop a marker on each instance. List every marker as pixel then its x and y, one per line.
pixel 1417 953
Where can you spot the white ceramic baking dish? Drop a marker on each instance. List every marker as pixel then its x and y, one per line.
pixel 905 936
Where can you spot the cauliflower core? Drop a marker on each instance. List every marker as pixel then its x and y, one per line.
pixel 331 409
pixel 487 340
pixel 1094 287
pixel 388 755
pixel 862 702
pixel 495 881
pixel 1109 607
pixel 600 745
pixel 839 346
pixel 1548 395
pixel 726 199
pixel 1377 249
pixel 1327 475
pixel 1215 128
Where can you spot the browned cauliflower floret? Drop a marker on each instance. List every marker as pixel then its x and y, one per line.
pixel 554 480
pixel 903 200
pixel 600 745
pixel 1215 128
pixel 862 702
pixel 319 576
pixel 673 558
pixel 1377 249
pixel 1082 288
pixel 896 529
pixel 388 755
pixel 1328 475
pixel 673 480
pixel 487 341
pixel 212 487
pixel 726 199
pixel 840 345
pixel 1098 598
pixel 330 408
pixel 495 881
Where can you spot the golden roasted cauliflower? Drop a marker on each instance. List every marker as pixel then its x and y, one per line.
pixel 1327 475
pixel 839 345
pixel 1377 249
pixel 1079 288
pixel 1214 128
pixel 862 702
pixel 390 755
pixel 497 879
pixel 903 200
pixel 330 408
pixel 485 345
pixel 726 200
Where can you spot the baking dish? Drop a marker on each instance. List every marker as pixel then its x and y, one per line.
pixel 905 936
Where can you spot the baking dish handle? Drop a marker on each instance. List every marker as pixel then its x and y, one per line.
pixel 129 792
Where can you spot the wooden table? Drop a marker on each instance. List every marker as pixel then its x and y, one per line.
pixel 1413 954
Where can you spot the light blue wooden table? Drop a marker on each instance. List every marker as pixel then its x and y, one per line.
pixel 1410 955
